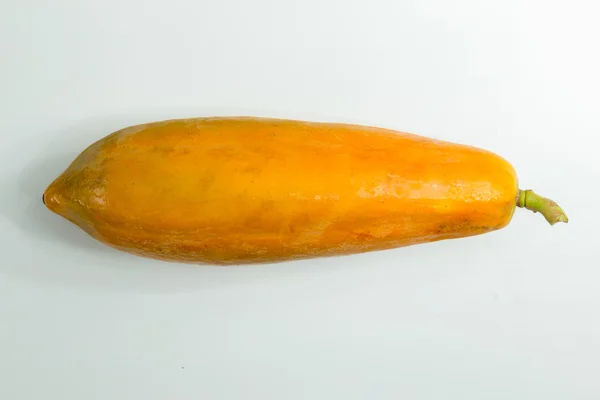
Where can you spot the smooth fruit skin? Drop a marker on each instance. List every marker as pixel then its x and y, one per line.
pixel 237 190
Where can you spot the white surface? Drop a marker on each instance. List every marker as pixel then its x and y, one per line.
pixel 508 315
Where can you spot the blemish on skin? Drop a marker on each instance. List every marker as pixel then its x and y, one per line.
pixel 377 191
pixel 362 193
pixel 99 200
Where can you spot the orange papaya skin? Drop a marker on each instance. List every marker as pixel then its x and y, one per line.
pixel 238 190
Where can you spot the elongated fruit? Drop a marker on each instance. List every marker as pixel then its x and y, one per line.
pixel 244 190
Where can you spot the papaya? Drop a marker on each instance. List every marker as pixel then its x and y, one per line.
pixel 241 190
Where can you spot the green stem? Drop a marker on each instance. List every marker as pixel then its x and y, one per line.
pixel 548 208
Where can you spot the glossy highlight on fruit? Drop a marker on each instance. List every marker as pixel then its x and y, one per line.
pixel 236 190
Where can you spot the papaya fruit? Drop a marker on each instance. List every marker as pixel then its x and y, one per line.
pixel 239 190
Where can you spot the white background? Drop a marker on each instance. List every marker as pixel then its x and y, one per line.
pixel 513 314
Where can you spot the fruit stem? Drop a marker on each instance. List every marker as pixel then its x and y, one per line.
pixel 548 208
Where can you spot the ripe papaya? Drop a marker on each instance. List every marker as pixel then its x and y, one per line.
pixel 234 190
